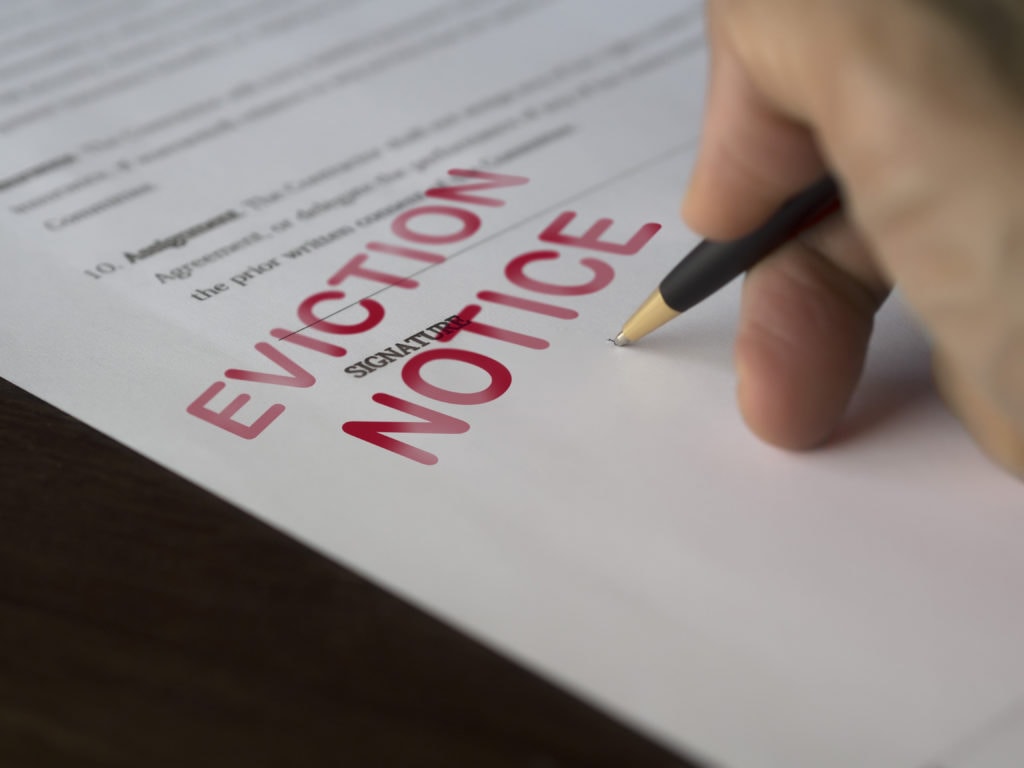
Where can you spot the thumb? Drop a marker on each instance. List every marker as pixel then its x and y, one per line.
pixel 752 156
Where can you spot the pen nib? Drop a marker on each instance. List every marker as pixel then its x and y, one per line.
pixel 621 340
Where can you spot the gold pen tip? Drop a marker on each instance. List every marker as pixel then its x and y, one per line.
pixel 622 340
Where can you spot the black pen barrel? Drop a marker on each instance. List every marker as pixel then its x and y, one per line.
pixel 713 264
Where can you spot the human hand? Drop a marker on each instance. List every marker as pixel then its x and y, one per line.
pixel 924 128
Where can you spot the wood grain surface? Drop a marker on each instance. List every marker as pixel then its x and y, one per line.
pixel 144 622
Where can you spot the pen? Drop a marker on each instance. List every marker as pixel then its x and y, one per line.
pixel 713 264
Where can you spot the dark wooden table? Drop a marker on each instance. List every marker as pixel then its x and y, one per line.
pixel 144 622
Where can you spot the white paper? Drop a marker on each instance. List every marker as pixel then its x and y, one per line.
pixel 998 744
pixel 606 520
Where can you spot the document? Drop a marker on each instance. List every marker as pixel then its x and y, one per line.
pixel 353 266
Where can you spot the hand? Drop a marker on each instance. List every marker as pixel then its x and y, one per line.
pixel 925 133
